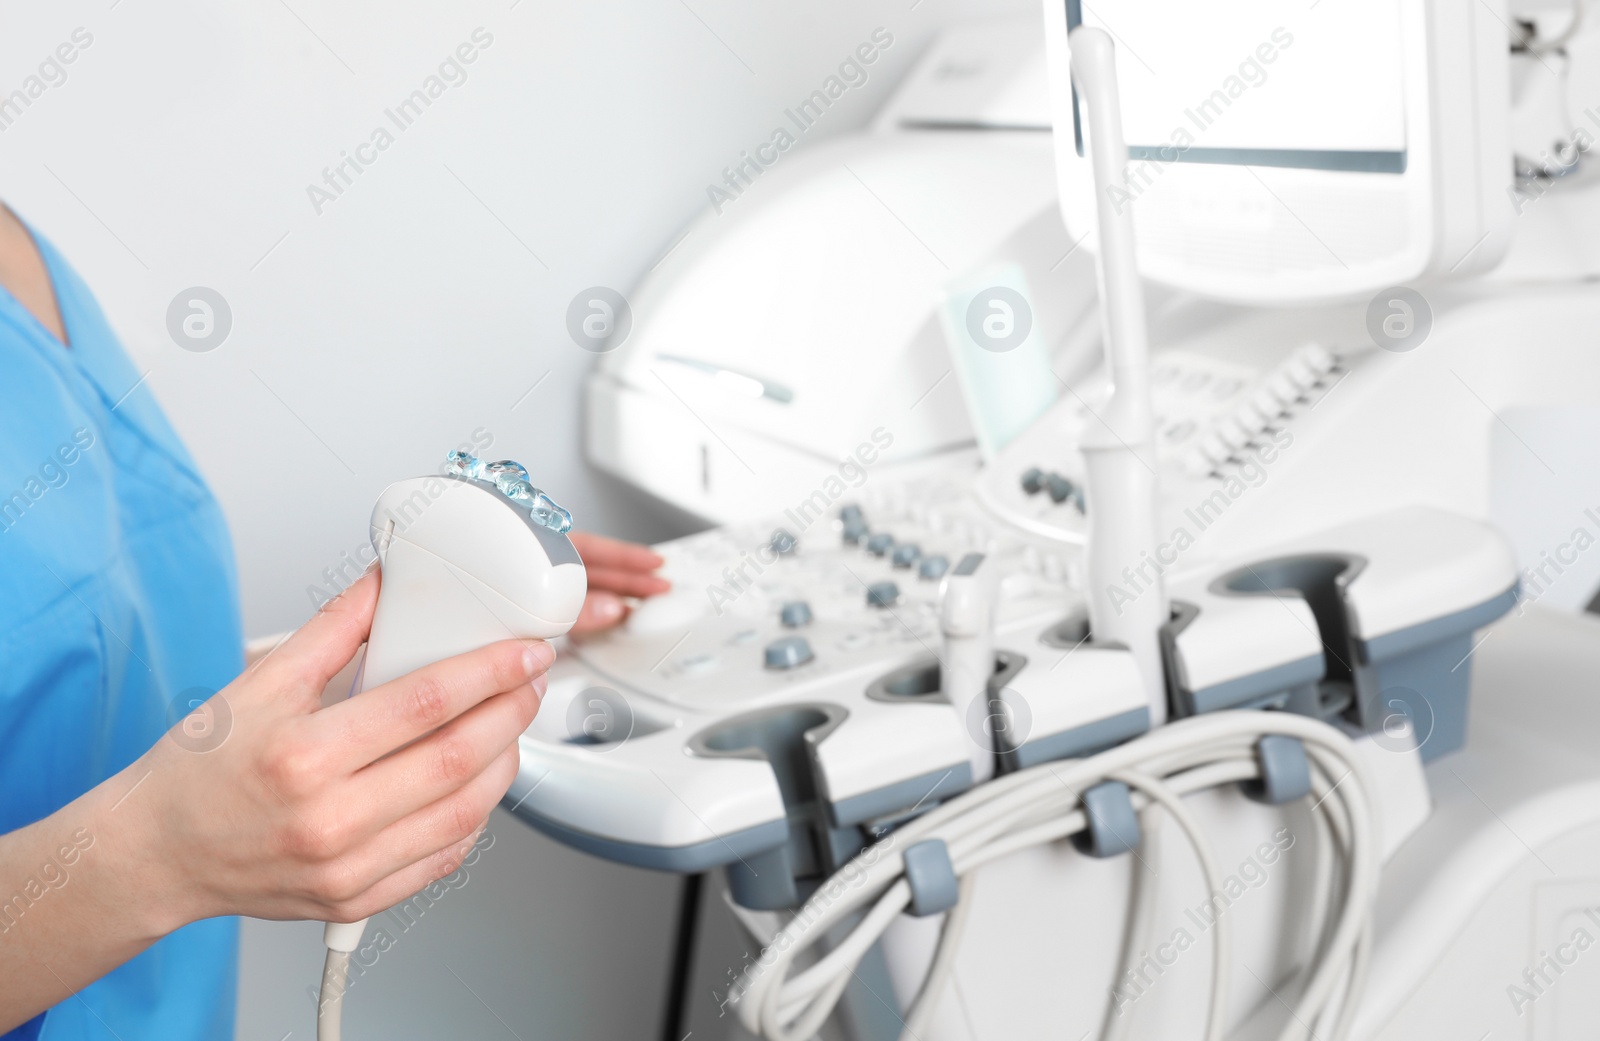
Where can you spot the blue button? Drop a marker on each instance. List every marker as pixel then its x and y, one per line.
pixel 789 652
pixel 795 613
pixel 879 544
pixel 933 567
pixel 855 531
pixel 782 542
pixel 850 512
pixel 906 554
pixel 882 594
pixel 1032 480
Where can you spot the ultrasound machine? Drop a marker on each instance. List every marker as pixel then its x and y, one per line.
pixel 1106 625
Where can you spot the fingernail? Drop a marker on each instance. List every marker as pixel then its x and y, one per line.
pixel 536 658
pixel 607 608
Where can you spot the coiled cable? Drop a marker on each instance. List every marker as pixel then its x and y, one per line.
pixel 1041 805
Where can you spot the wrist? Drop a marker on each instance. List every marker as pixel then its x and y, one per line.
pixel 141 875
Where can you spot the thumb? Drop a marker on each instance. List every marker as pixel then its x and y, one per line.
pixel 323 646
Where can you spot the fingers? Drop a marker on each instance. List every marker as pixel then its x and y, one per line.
pixel 315 653
pixel 599 551
pixel 446 761
pixel 627 583
pixel 601 611
pixel 429 843
pixel 375 723
pixel 406 882
pixel 614 566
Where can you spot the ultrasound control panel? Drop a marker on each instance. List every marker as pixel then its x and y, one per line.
pixel 759 610
pixel 1213 415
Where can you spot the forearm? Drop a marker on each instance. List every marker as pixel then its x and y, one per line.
pixel 81 892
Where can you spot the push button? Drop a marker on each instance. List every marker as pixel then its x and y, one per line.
pixel 882 594
pixel 795 613
pixel 1060 488
pixel 788 653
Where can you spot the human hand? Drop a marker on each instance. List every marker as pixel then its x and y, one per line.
pixel 332 813
pixel 616 569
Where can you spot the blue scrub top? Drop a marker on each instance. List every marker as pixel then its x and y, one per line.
pixel 118 598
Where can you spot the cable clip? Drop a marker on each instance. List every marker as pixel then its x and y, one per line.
pixel 1113 826
pixel 932 877
pixel 1285 771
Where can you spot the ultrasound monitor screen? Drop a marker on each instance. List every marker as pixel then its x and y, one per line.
pixel 1257 82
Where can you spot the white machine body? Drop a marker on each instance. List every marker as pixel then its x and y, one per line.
pixel 801 321
pixel 1317 542
pixel 1320 476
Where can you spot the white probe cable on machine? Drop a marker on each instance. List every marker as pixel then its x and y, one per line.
pixel 1042 805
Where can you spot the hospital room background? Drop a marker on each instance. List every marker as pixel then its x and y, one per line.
pixel 369 308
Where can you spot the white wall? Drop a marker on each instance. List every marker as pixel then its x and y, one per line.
pixel 419 306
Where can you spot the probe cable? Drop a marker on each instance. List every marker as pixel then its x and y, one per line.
pixel 1041 805
pixel 330 999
